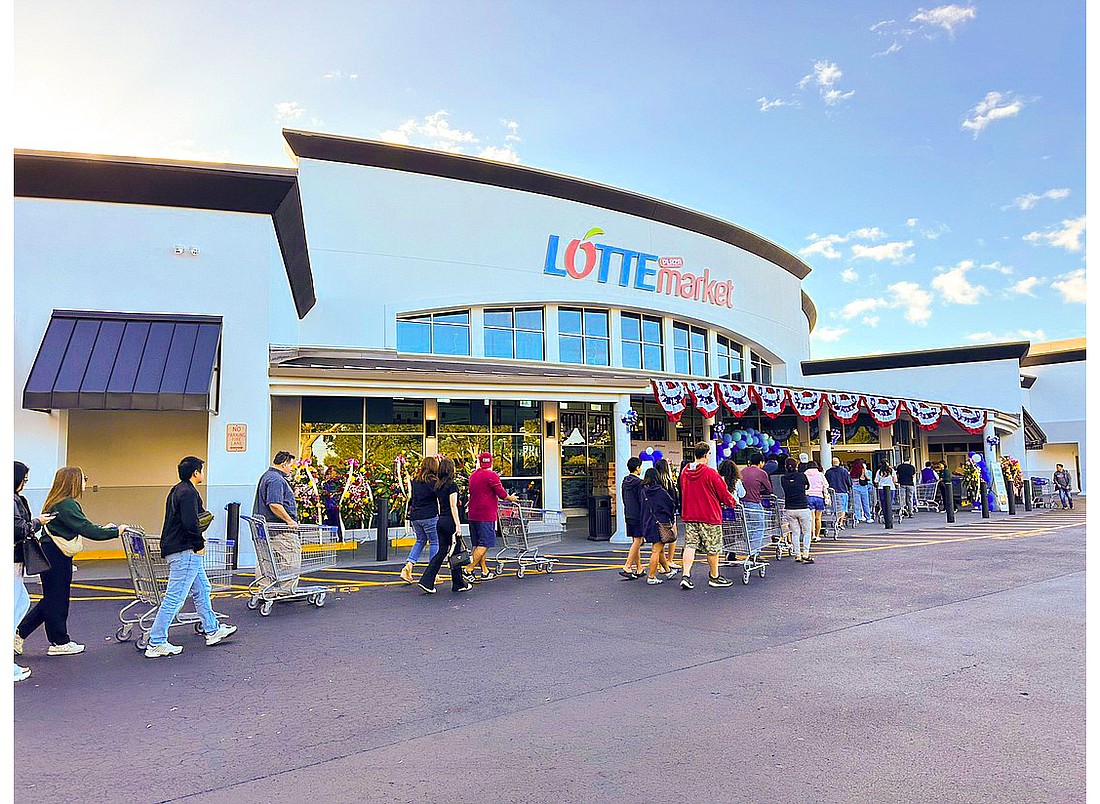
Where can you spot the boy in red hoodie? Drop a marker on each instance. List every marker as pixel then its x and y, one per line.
pixel 704 494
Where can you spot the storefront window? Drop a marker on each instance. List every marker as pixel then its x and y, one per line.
pixel 642 342
pixel 514 333
pixel 729 359
pixel 334 429
pixel 761 370
pixel 510 430
pixel 862 431
pixel 584 336
pixel 435 333
pixel 587 452
pixel 690 349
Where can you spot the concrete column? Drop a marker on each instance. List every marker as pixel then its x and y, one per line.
pixel 993 462
pixel 803 436
pixel 824 422
pixel 615 324
pixel 551 459
pixel 622 455
pixel 551 326
pixel 707 436
pixel 431 413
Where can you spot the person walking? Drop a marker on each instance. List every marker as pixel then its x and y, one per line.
pixel 423 514
pixel 274 502
pixel 672 486
pixel 485 490
pixel 816 496
pixel 1062 481
pixel 68 524
pixel 182 545
pixel 704 494
pixel 26 527
pixel 797 507
pixel 885 482
pixel 450 537
pixel 840 484
pixel 927 474
pixel 907 486
pixel 757 485
pixel 861 487
pixel 731 474
pixel 630 495
pixel 658 524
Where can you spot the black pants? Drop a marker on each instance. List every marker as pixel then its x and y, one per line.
pixel 448 544
pixel 53 608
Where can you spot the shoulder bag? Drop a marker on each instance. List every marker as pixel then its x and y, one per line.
pixel 68 547
pixel 461 556
pixel 35 561
pixel 667 532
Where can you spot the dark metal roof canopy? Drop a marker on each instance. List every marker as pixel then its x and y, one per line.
pixel 125 361
pixel 1034 437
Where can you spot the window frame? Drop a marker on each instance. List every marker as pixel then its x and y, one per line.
pixel 515 329
pixel 430 320
pixel 584 337
pixel 641 343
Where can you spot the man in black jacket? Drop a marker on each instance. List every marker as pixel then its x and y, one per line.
pixel 182 545
pixel 631 500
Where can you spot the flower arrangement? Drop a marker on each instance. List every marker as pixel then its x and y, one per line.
pixel 303 482
pixel 356 498
pixel 1010 468
pixel 971 481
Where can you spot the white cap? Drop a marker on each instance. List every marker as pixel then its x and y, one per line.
pixel 804 458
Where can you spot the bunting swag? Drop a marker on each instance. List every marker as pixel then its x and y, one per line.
pixel 807 404
pixel 671 396
pixel 844 406
pixel 772 400
pixel 884 410
pixel 925 414
pixel 970 419
pixel 704 397
pixel 736 398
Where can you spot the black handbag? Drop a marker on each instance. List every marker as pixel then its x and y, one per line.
pixel 35 561
pixel 460 557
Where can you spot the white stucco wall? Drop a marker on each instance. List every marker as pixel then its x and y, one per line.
pixel 1057 403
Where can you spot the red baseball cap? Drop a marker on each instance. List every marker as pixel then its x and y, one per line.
pixel 485 460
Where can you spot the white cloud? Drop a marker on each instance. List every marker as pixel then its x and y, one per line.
pixel 935 232
pixel 894 48
pixel 868 233
pixel 835 96
pixel 288 111
pixel 1007 270
pixel 435 131
pixel 338 75
pixel 825 75
pixel 1018 335
pixel 1024 286
pixel 1071 286
pixel 994 106
pixel 882 24
pixel 513 131
pixel 911 222
pixel 825 245
pixel 915 300
pixel 500 153
pixel 858 307
pixel 1067 236
pixel 829 334
pixel 774 103
pixel 1029 200
pixel 871 320
pixel 849 275
pixel 954 286
pixel 947 17
pixel 895 252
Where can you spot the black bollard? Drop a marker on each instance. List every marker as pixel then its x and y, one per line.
pixel 382 522
pixel 983 492
pixel 1027 494
pixel 949 500
pixel 233 528
pixel 887 508
pixel 1011 497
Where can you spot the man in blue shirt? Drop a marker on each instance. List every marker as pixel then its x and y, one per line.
pixel 275 503
pixel 840 483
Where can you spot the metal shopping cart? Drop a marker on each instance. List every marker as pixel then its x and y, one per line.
pixel 777 531
pixel 895 504
pixel 743 534
pixel 928 497
pixel 832 518
pixel 1040 497
pixel 149 573
pixel 283 554
pixel 525 529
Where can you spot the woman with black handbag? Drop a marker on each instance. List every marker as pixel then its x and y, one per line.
pixel 28 551
pixel 65 538
pixel 658 524
pixel 451 548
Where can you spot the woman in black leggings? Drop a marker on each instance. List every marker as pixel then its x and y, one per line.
pixel 450 539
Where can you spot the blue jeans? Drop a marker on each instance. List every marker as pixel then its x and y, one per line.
pixel 185 574
pixel 426 533
pixel 1064 497
pixel 863 502
pixel 841 501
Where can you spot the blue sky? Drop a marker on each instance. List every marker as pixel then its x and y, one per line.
pixel 928 161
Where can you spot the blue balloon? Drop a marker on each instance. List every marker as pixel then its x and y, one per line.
pixel 657 455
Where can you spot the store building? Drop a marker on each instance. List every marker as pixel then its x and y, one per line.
pixel 381 300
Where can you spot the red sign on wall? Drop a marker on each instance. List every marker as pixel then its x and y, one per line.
pixel 236 437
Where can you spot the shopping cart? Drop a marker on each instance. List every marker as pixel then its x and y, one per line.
pixel 743 534
pixel 777 531
pixel 283 554
pixel 832 518
pixel 149 573
pixel 928 497
pixel 525 529
pixel 1040 498
pixel 895 504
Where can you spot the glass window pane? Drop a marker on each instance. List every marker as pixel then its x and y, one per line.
pixel 574 462
pixel 383 448
pixel 517 456
pixel 463 449
pixel 680 335
pixel 498 318
pixel 331 450
pixel 388 415
pixel 723 346
pixel 653 358
pixel 498 343
pixel 699 340
pixel 651 330
pixel 529 319
pixel 460 317
pixel 596 352
pixel 569 349
pixel 656 428
pixel 735 365
pixel 529 345
pixel 413 337
pixel 525 489
pixel 699 363
pixel 681 362
pixel 632 327
pixel 325 410
pixel 449 340
pixel 463 416
pixel 632 355
pixel 766 375
pixel 575 492
pixel 569 322
pixel 595 323
pixel 516 417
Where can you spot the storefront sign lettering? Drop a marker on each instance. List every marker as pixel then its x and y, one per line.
pixel 236 437
pixel 582 258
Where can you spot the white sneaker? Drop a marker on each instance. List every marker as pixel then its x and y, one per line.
pixel 653 581
pixel 224 631
pixel 68 649
pixel 22 673
pixel 167 649
pixel 672 573
pixel 18 645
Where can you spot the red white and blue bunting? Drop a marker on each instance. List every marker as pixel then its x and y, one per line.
pixel 672 397
pixel 735 397
pixel 705 398
pixel 772 400
pixel 845 406
pixel 926 414
pixel 883 409
pixel 807 404
pixel 970 419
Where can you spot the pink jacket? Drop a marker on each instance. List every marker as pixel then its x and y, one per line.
pixel 817 483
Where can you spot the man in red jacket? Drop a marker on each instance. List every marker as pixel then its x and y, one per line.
pixel 704 494
pixel 485 490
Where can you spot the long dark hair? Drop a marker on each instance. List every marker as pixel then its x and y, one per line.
pixel 21 472
pixel 429 470
pixel 446 473
pixel 728 470
pixel 664 473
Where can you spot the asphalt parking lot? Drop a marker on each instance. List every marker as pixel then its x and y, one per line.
pixel 944 664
